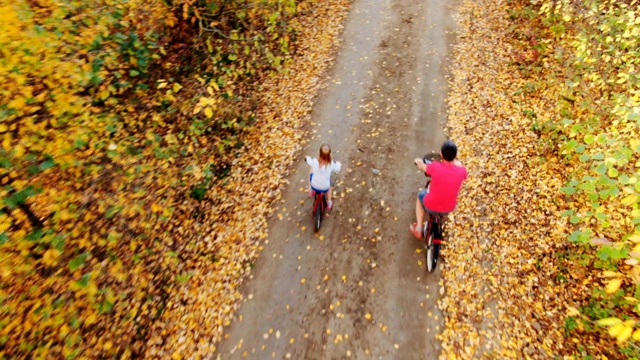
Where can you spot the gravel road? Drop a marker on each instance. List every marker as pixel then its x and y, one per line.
pixel 359 288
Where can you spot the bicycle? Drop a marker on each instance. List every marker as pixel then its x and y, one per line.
pixel 320 204
pixel 432 233
pixel 319 207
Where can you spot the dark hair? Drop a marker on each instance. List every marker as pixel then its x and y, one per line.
pixel 449 150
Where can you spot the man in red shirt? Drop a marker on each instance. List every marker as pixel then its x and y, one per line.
pixel 446 179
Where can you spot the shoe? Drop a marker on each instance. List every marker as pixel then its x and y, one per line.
pixel 415 230
pixel 329 205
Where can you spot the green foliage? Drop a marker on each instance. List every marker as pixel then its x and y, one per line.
pixel 593 66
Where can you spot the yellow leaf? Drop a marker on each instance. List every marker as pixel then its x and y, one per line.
pixel 635 274
pixel 615 329
pixel 610 321
pixel 629 200
pixel 208 112
pixel 636 335
pixel 50 257
pixel 196 110
pixel 571 311
pixel 176 87
pixel 210 90
pixel 624 334
pixel 608 273
pixel 162 85
pixel 613 286
pixel 19 150
pixel 104 94
pixel 17 103
pixel 6 142
pixel 635 238
pixel 91 319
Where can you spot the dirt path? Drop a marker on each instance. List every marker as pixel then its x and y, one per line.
pixel 359 288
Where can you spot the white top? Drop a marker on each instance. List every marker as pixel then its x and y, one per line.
pixel 321 179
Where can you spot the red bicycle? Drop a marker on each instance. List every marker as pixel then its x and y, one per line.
pixel 432 233
pixel 433 239
pixel 319 207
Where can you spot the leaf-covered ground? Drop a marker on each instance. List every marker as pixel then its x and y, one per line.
pixel 502 298
pixel 514 280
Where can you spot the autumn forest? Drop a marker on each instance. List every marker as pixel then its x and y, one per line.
pixel 131 133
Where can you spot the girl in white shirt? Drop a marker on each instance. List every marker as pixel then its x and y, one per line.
pixel 320 174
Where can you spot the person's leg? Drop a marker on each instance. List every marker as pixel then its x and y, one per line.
pixel 310 188
pixel 416 228
pixel 329 202
pixel 419 213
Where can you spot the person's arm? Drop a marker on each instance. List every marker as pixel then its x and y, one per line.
pixel 420 164
pixel 337 166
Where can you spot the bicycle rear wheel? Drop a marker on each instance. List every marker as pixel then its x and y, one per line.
pixel 317 216
pixel 431 253
pixel 428 246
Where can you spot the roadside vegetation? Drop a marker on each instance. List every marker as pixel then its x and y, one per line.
pixel 545 102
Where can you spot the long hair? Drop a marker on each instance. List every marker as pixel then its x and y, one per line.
pixel 325 155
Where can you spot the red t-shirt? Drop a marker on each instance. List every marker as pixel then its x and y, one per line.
pixel 446 180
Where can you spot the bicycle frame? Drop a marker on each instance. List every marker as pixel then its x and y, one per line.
pixel 434 226
pixel 432 231
pixel 319 207
pixel 320 200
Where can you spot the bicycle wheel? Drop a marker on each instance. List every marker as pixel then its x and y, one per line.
pixel 317 216
pixel 431 253
pixel 436 253
pixel 428 246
